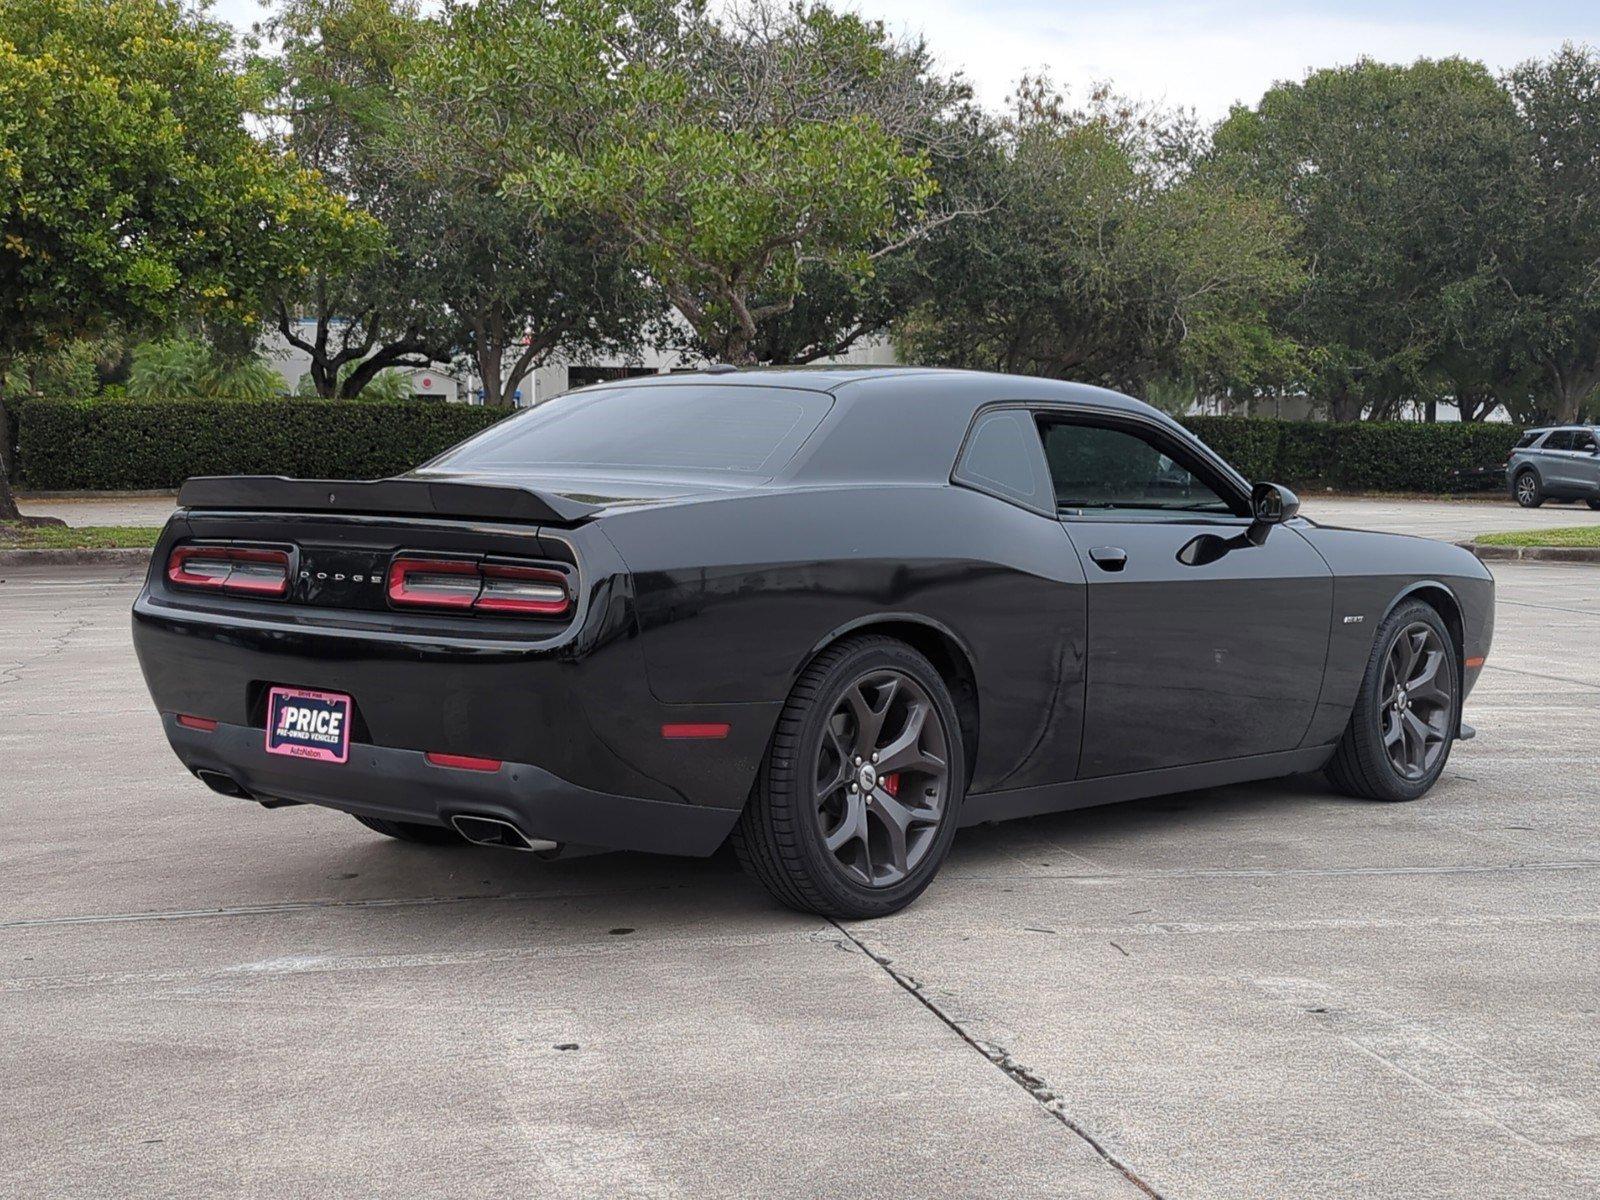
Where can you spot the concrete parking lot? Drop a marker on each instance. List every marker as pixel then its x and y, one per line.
pixel 1259 991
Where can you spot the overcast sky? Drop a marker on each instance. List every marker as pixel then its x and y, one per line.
pixel 1202 55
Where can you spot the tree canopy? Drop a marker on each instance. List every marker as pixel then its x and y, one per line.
pixel 1105 254
pixel 132 192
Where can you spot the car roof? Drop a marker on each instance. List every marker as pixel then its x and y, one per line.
pixel 868 380
pixel 898 424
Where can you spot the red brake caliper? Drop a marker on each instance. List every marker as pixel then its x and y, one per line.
pixel 891 783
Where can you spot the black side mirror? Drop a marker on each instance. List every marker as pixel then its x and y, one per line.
pixel 1270 504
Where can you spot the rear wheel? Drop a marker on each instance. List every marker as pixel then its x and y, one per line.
pixel 859 795
pixel 1527 491
pixel 412 831
pixel 1594 504
pixel 1407 713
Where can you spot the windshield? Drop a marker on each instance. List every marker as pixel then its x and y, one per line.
pixel 695 428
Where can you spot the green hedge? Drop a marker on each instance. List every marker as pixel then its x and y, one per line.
pixel 114 444
pixel 136 444
pixel 1358 456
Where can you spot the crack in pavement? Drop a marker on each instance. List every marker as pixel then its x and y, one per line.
pixel 1024 1077
pixel 53 645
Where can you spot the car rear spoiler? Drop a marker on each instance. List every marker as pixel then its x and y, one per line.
pixel 397 497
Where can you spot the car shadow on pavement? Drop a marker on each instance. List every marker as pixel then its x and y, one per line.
pixel 1206 825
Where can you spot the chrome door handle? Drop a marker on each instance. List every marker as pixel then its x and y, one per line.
pixel 1109 558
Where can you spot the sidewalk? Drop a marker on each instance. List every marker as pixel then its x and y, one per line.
pixel 110 510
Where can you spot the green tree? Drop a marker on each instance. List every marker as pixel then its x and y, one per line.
pixel 384 387
pixel 380 305
pixel 190 366
pixel 1102 255
pixel 718 152
pixel 1401 181
pixel 131 191
pixel 1553 269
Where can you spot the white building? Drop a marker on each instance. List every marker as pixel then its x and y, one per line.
pixel 544 382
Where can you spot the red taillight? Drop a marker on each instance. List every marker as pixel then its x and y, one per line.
pixel 489 587
pixel 204 724
pixel 247 570
pixel 433 583
pixel 705 729
pixel 536 590
pixel 462 762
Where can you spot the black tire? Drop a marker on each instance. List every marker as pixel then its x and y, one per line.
pixel 804 785
pixel 1594 504
pixel 1526 489
pixel 412 831
pixel 1364 765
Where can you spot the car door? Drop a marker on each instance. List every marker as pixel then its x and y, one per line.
pixel 1205 639
pixel 1556 467
pixel 1586 463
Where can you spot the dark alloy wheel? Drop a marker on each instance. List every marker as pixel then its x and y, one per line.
pixel 882 776
pixel 414 831
pixel 857 801
pixel 1407 714
pixel 1417 702
pixel 1527 490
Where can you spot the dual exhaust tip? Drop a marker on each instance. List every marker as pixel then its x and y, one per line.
pixel 494 831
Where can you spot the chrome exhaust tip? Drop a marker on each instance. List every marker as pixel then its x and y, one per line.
pixel 495 831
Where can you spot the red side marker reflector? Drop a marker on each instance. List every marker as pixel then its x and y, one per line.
pixel 462 762
pixel 1475 662
pixel 202 723
pixel 708 729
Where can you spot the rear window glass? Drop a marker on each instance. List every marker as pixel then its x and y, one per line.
pixel 672 427
pixel 1528 439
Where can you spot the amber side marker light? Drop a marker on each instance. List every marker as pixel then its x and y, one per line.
pixel 706 730
pixel 1473 663
pixel 461 762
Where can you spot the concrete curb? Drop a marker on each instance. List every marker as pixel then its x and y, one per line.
pixel 73 558
pixel 1563 554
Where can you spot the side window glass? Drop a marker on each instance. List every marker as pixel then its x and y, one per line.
pixel 1561 439
pixel 1003 456
pixel 1584 442
pixel 1092 467
pixel 1527 440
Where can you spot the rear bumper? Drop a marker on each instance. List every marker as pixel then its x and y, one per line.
pixel 400 785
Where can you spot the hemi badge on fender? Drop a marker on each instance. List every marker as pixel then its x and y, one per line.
pixel 1356 620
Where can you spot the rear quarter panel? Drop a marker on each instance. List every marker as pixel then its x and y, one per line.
pixel 735 596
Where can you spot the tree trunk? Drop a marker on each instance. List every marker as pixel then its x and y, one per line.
pixel 8 502
pixel 1344 406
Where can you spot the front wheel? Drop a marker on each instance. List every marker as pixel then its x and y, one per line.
pixel 1527 491
pixel 1407 712
pixel 1594 504
pixel 861 789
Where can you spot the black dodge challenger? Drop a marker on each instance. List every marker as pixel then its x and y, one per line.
pixel 832 614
